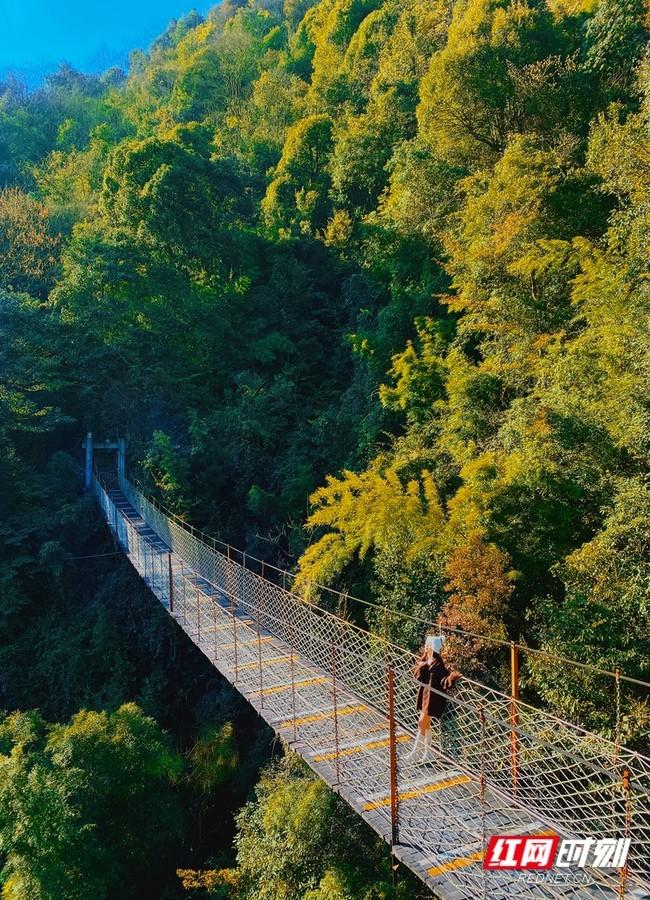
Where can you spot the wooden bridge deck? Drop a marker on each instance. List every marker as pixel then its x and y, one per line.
pixel 346 741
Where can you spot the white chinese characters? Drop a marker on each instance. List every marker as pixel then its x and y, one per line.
pixel 541 852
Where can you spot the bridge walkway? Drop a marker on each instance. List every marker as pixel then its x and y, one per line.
pixel 446 810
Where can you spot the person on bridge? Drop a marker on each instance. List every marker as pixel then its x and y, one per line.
pixel 434 677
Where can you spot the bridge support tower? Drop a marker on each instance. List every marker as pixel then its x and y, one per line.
pixel 91 445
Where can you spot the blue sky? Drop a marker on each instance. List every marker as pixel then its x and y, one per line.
pixel 35 35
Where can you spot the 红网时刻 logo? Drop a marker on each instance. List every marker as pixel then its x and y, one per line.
pixel 543 852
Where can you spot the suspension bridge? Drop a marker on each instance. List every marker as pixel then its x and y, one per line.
pixel 344 700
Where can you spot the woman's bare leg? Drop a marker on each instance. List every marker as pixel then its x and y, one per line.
pixel 427 743
pixel 424 728
pixel 418 739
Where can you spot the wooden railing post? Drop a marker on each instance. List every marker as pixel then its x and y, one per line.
pixel 234 632
pixel 336 712
pixel 198 615
pixel 242 586
pixel 292 664
pixel 134 544
pixel 482 791
pixel 88 483
pixel 215 648
pixel 171 583
pixel 627 798
pixel 514 715
pixel 184 583
pixel 387 655
pixel 394 796
pixel 617 688
pixel 259 637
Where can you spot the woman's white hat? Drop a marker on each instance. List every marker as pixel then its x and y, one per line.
pixel 434 642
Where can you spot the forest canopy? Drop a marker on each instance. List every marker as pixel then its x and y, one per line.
pixel 375 268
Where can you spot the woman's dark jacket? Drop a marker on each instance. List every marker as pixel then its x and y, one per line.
pixel 431 675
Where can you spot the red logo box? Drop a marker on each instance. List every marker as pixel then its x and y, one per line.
pixel 506 852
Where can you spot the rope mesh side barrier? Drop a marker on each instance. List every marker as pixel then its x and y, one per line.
pixel 392 615
pixel 331 687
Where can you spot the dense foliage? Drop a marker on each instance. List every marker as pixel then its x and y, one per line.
pixel 84 806
pixel 365 285
pixel 298 839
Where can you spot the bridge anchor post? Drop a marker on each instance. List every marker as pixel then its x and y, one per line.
pixel 394 796
pixel 623 873
pixel 336 714
pixel 514 715
pixel 88 444
pixel 171 583
pixel 215 638
pixel 198 615
pixel 259 633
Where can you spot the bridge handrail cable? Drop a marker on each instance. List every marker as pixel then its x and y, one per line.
pixel 572 778
pixel 211 541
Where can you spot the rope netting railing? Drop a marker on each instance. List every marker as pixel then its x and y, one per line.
pixel 519 758
pixel 609 693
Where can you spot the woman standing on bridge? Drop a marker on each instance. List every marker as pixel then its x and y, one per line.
pixel 434 677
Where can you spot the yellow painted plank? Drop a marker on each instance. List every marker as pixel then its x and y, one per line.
pixel 227 627
pixel 269 662
pixel 278 688
pixel 454 864
pixel 264 640
pixel 418 792
pixel 463 861
pixel 367 729
pixel 349 751
pixel 318 717
pixel 346 734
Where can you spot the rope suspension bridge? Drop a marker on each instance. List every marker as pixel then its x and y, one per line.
pixel 343 698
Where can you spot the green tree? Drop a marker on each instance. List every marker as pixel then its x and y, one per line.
pixel 168 471
pixel 604 619
pixel 297 198
pixel 86 809
pixel 29 248
pixel 616 39
pixel 505 69
pixel 297 839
